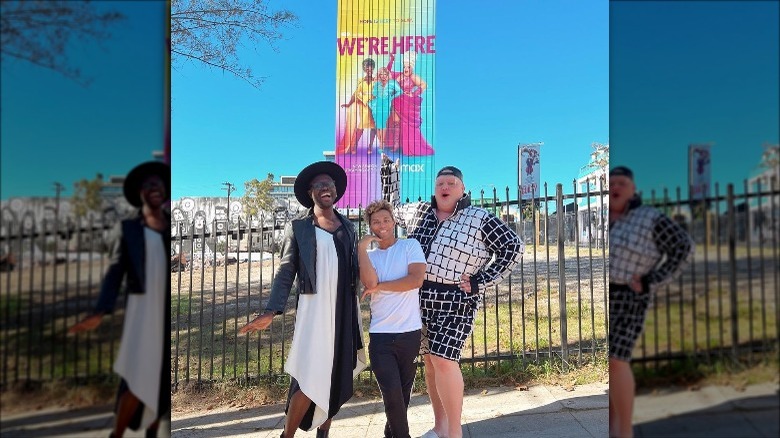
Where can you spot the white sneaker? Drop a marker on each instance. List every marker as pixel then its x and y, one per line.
pixel 430 434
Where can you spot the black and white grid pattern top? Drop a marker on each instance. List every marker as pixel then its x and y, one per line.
pixel 471 241
pixel 389 175
pixel 646 242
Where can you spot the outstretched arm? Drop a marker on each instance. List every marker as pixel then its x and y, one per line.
pixel 283 281
pixel 393 74
pixel 110 286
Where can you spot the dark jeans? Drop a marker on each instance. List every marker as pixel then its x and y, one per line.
pixel 392 361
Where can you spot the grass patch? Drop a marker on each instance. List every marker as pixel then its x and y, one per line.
pixel 10 305
pixel 535 325
pixel 27 396
pixel 716 371
pixel 45 351
pixel 210 352
pixel 206 352
pixel 544 371
pixel 230 394
pixel 670 327
pixel 258 391
pixel 181 306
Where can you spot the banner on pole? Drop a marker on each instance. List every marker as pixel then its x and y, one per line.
pixel 528 166
pixel 699 170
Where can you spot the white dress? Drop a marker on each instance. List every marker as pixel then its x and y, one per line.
pixel 315 331
pixel 140 352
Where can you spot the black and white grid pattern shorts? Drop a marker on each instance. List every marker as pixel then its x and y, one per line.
pixel 447 319
pixel 627 311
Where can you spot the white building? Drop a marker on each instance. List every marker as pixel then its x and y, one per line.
pixel 763 222
pixel 204 214
pixel 593 211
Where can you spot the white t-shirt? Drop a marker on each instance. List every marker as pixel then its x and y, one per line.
pixel 395 312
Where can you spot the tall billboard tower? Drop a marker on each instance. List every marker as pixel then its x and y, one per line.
pixel 385 51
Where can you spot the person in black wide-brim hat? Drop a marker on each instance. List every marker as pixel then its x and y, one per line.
pixel 140 256
pixel 303 182
pixel 137 177
pixel 318 248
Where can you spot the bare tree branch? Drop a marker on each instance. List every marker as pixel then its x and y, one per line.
pixel 40 32
pixel 210 32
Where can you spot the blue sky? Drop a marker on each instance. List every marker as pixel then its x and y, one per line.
pixel 506 73
pixel 54 129
pixel 693 72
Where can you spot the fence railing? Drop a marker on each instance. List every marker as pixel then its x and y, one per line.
pixel 553 306
pixel 50 273
pixel 726 302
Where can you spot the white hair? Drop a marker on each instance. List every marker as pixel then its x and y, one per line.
pixel 410 58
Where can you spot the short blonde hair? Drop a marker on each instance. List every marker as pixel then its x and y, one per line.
pixel 375 207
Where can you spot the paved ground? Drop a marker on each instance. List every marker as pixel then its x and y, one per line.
pixel 712 411
pixel 540 411
pixel 93 422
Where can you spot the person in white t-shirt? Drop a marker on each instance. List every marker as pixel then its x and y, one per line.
pixel 392 274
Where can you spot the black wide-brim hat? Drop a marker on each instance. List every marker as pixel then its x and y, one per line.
pixel 303 181
pixel 134 179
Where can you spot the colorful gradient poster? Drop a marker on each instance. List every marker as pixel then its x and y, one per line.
pixel 385 51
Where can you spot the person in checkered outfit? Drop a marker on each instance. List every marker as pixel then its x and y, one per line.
pixel 467 250
pixel 646 251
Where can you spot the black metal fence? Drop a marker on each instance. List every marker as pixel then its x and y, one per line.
pixel 50 271
pixel 553 306
pixel 726 302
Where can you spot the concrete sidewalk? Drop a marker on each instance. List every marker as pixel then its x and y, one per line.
pixel 92 422
pixel 712 411
pixel 541 411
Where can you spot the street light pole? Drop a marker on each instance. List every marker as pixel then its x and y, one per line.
pixel 58 188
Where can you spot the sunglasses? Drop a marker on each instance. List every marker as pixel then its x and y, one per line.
pixel 323 185
pixel 151 183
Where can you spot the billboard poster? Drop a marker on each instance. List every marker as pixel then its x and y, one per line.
pixel 528 166
pixel 699 170
pixel 385 51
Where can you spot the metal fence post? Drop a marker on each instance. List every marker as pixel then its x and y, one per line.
pixel 562 277
pixel 733 270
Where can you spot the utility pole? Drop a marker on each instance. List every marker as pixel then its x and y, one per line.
pixel 58 188
pixel 229 187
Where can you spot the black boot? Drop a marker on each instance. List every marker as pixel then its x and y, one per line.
pixel 322 433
